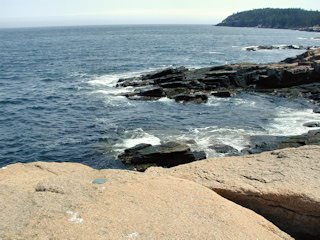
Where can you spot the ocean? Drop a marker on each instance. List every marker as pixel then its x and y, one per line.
pixel 58 100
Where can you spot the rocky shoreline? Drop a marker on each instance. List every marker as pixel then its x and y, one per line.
pixel 281 185
pixel 269 195
pixel 297 76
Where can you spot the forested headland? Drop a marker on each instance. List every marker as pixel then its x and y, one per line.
pixel 291 18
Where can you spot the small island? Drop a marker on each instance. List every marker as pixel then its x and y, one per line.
pixel 290 18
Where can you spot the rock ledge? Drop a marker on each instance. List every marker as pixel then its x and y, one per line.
pixel 60 201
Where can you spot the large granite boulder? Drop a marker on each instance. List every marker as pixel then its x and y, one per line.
pixel 168 154
pixel 62 201
pixel 282 185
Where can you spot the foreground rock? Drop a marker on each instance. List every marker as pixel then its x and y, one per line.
pixel 282 185
pixel 197 85
pixel 59 201
pixel 169 154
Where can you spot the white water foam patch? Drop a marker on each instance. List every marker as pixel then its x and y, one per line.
pixel 111 80
pixel 106 84
pixel 208 136
pixel 289 122
pixel 135 137
pixel 166 100
pixel 214 52
pixel 216 101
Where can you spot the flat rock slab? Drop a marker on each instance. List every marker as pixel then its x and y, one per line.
pixel 59 201
pixel 282 185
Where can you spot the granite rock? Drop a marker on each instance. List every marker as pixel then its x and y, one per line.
pixel 281 185
pixel 59 201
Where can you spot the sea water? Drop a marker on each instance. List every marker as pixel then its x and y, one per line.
pixel 58 100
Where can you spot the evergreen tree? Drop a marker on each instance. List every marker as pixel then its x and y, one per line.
pixel 273 18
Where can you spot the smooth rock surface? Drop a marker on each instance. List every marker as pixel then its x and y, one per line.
pixel 282 185
pixel 59 201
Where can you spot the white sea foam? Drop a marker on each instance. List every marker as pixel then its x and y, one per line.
pixel 166 100
pixel 290 122
pixel 214 52
pixel 135 137
pixel 207 136
pixel 112 79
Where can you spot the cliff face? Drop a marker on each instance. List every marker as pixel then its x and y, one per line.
pixel 71 201
pixel 274 18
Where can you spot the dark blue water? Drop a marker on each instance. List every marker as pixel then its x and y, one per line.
pixel 58 101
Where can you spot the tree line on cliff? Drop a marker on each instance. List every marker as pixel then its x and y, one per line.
pixel 290 18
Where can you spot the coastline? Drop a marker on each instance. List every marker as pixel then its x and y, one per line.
pixel 296 76
pixel 266 196
pixel 304 29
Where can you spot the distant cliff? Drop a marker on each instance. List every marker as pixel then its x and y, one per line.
pixel 291 18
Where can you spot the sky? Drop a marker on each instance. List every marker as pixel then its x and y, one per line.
pixel 39 13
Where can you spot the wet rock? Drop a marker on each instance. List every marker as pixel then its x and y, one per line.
pixel 175 84
pixel 152 92
pixel 222 94
pixel 223 148
pixel 142 98
pixel 292 74
pixel 263 143
pixel 312 124
pixel 169 154
pixel 200 155
pixel 197 98
pixel 190 141
pixel 272 47
pixel 165 72
pixel 316 110
pixel 312 138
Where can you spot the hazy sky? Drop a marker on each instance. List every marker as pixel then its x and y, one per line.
pixel 29 13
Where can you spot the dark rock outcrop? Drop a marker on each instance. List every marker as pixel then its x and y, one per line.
pixel 169 154
pixel 263 143
pixel 312 124
pixel 223 148
pixel 294 76
pixel 311 138
pixel 272 47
